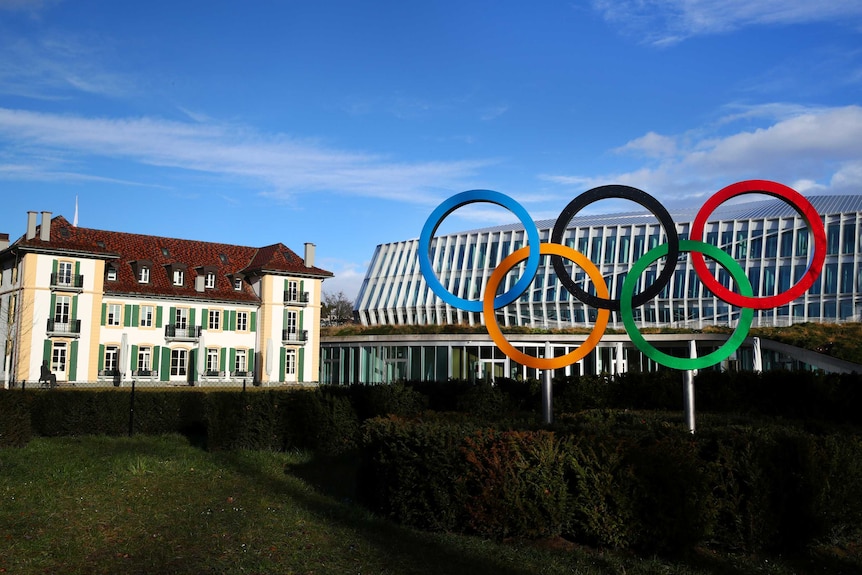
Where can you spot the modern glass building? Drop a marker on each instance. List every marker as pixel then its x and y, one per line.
pixel 768 238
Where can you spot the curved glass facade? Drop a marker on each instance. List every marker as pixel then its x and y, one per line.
pixel 768 238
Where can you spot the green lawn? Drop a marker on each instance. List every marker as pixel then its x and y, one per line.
pixel 159 505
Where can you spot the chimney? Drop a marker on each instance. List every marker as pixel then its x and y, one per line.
pixel 45 230
pixel 309 255
pixel 4 241
pixel 31 225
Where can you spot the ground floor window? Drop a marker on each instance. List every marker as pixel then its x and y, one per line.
pixel 179 361
pixel 290 362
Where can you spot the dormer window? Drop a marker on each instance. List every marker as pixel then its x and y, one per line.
pixel 237 283
pixel 179 277
pixel 111 274
pixel 210 280
pixel 142 269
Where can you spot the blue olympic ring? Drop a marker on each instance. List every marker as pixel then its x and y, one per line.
pixel 449 206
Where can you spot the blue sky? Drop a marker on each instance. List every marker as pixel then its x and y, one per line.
pixel 346 123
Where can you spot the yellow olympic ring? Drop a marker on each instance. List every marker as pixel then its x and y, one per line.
pixel 494 329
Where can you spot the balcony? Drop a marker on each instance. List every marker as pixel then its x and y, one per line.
pixel 65 282
pixel 292 337
pixel 64 329
pixel 145 375
pixel 174 333
pixel 296 298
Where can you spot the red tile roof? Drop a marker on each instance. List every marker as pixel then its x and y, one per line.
pixel 124 249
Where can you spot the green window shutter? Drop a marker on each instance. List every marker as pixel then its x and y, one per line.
pixel 253 324
pixel 104 312
pixel 205 319
pixel 192 317
pixel 231 320
pixel 136 315
pixel 46 351
pixel 222 361
pixel 284 319
pixel 282 363
pixel 53 309
pixel 101 357
pixel 54 266
pixel 231 365
pixel 74 308
pixel 77 268
pixel 301 286
pixel 286 283
pixel 165 370
pixel 158 316
pixel 251 360
pixel 73 361
pixel 301 367
pixel 193 363
pixel 127 315
pixel 301 314
pixel 133 358
pixel 155 359
pixel 172 315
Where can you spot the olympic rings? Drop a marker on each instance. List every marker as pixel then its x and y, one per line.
pixel 449 206
pixel 782 192
pixel 627 299
pixel 731 345
pixel 628 193
pixel 528 360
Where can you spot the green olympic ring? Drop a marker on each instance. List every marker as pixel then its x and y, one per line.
pixel 731 345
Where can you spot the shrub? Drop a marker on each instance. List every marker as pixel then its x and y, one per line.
pixel 15 429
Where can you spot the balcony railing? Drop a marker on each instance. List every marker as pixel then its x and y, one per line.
pixel 296 298
pixel 292 336
pixel 67 282
pixel 64 329
pixel 175 333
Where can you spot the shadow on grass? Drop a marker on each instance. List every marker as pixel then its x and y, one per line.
pixel 333 480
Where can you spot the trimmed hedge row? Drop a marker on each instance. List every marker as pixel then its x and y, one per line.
pixel 617 480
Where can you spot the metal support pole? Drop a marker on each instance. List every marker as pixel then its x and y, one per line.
pixel 547 399
pixel 688 398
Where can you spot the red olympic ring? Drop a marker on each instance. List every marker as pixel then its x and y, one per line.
pixel 798 202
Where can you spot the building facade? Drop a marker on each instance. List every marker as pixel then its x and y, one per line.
pixel 768 238
pixel 104 307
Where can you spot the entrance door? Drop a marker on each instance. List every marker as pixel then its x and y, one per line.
pixel 58 361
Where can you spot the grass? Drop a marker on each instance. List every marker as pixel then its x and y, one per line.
pixel 161 505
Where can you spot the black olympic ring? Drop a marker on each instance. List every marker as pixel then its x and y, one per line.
pixel 626 193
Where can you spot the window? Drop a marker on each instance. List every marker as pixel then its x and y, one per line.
pixel 292 290
pixel 144 275
pixel 290 362
pixel 111 358
pixel 114 314
pixel 64 273
pixel 58 358
pixel 212 359
pixel 179 277
pixel 61 310
pixel 237 284
pixel 240 364
pixel 242 321
pixel 209 280
pixel 144 359
pixel 181 318
pixel 112 274
pixel 179 359
pixel 147 316
pixel 291 322
pixel 215 319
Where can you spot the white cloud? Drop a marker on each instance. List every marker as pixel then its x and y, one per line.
pixel 651 145
pixel 56 67
pixel 670 21
pixel 277 163
pixel 818 150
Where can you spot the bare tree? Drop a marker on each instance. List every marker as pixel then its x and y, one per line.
pixel 337 309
